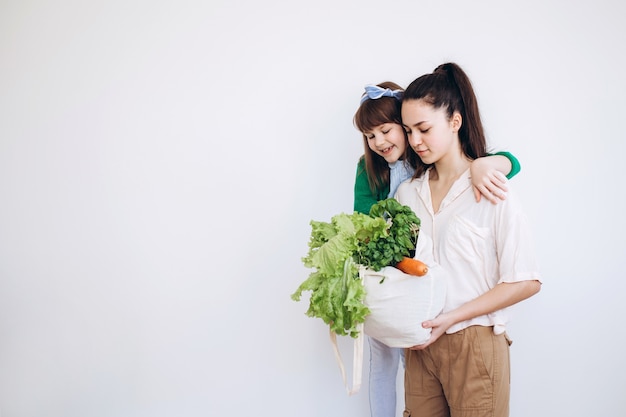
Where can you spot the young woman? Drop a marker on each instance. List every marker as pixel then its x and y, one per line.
pixel 383 167
pixel 486 250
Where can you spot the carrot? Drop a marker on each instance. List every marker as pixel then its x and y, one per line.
pixel 412 267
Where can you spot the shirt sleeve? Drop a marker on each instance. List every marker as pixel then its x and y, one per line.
pixel 515 165
pixel 517 259
pixel 364 199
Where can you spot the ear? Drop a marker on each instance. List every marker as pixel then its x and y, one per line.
pixel 456 121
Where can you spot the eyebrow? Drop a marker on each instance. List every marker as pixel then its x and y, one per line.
pixel 416 124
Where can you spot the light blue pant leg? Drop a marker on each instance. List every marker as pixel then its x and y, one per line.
pixel 384 362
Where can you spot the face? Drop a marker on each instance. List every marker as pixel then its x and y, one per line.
pixel 387 140
pixel 431 134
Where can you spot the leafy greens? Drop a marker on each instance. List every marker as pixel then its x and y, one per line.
pixel 338 249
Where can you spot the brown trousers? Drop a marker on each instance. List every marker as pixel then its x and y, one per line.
pixel 464 374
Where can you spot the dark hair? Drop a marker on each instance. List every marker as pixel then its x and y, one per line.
pixel 373 113
pixel 450 88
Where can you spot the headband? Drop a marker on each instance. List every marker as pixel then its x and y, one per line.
pixel 375 92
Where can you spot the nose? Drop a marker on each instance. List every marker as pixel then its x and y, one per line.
pixel 378 139
pixel 415 139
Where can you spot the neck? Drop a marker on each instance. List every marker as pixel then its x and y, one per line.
pixel 449 168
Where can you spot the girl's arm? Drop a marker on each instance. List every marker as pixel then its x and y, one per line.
pixel 515 166
pixel 363 197
pixel 488 175
pixel 501 296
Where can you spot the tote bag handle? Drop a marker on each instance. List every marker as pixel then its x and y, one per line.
pixel 357 365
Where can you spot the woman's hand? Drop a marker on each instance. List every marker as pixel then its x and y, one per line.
pixel 503 295
pixel 487 180
pixel 437 326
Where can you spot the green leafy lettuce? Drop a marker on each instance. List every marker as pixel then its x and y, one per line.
pixel 336 251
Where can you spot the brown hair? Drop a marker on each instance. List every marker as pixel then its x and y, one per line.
pixel 373 113
pixel 450 88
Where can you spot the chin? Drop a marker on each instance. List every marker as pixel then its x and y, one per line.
pixel 394 158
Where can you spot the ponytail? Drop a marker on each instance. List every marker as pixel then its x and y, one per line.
pixel 449 87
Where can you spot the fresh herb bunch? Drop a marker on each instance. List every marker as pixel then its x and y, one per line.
pixel 398 243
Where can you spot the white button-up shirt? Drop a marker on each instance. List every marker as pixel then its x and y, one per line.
pixel 479 244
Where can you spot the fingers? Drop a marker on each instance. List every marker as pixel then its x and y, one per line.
pixel 477 194
pixel 493 188
pixel 498 182
pixel 486 192
pixel 502 179
pixel 423 345
pixel 497 195
pixel 491 196
pixel 420 347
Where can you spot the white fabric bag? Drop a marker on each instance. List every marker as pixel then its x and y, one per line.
pixel 399 303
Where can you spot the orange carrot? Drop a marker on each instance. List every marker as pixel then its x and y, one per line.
pixel 412 267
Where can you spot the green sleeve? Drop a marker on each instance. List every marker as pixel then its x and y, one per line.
pixel 515 165
pixel 364 199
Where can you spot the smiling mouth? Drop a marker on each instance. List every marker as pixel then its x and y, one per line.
pixel 386 150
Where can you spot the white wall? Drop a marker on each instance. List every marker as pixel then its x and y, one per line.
pixel 160 162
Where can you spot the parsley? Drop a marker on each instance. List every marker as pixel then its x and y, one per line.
pixel 401 238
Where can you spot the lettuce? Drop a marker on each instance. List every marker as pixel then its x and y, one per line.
pixel 338 248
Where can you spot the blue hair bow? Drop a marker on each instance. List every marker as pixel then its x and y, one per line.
pixel 375 92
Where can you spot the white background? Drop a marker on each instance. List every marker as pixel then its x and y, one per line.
pixel 160 162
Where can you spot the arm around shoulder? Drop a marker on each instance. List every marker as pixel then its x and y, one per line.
pixel 515 165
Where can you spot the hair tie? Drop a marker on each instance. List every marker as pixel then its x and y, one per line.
pixel 375 92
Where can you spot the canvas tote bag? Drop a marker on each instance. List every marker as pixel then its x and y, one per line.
pixel 398 304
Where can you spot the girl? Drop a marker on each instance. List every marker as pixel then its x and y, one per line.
pixel 463 370
pixel 386 163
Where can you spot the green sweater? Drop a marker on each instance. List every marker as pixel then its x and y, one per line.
pixel 364 199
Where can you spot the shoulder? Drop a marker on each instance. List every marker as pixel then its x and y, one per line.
pixel 509 211
pixel 360 166
pixel 360 169
pixel 408 188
